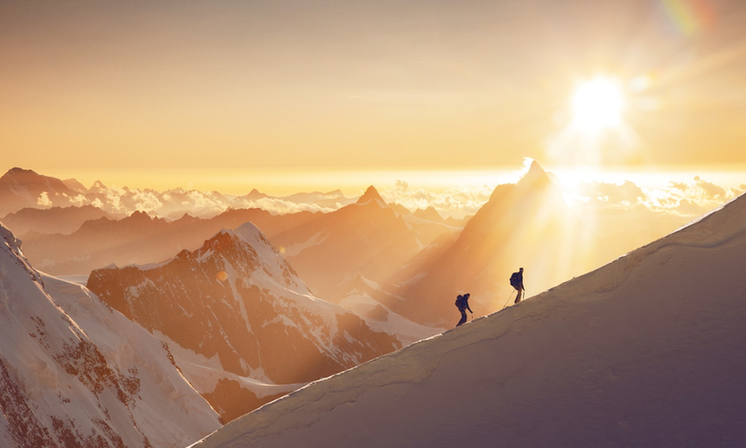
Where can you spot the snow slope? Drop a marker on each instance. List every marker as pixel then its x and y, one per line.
pixel 647 350
pixel 73 372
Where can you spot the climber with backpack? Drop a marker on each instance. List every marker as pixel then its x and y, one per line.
pixel 516 281
pixel 462 303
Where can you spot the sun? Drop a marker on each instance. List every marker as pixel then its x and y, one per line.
pixel 597 105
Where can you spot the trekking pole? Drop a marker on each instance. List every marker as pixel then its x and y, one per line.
pixel 508 301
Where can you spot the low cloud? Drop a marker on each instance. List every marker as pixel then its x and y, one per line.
pixel 146 201
pixel 114 202
pixel 80 200
pixel 204 203
pixel 44 200
pixel 456 202
pixel 688 199
pixel 281 206
pixel 689 208
pixel 737 191
pixel 602 193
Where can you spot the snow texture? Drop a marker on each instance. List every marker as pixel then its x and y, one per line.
pixel 647 350
pixel 73 372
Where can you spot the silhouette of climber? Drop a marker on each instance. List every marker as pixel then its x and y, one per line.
pixel 462 303
pixel 516 281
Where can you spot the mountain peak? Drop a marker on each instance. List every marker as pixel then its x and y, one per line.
pixel 256 194
pixel 371 194
pixel 140 216
pixel 535 177
pixel 429 213
pixel 17 172
pixel 249 234
pixel 98 185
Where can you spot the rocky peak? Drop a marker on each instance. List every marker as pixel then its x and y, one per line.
pixel 429 213
pixel 371 195
pixel 535 177
pixel 255 194
pixel 19 177
pixel 98 185
pixel 140 216
pixel 16 171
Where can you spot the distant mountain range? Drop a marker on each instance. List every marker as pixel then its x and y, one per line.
pixel 412 263
pixel 362 242
pixel 62 220
pixel 21 188
pixel 337 252
pixel 140 239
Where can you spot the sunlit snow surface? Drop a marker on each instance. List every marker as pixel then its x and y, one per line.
pixel 74 372
pixel 645 351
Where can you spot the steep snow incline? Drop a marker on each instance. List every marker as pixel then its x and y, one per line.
pixel 648 350
pixel 84 375
pixel 171 411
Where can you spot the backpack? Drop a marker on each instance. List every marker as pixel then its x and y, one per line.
pixel 514 280
pixel 460 303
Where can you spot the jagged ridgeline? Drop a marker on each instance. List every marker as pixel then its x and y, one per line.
pixel 238 306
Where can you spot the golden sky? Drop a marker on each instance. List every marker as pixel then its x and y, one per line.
pixel 181 86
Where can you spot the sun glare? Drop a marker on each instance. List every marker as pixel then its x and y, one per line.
pixel 597 105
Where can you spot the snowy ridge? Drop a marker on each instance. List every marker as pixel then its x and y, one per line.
pixel 69 375
pixel 274 265
pixel 645 351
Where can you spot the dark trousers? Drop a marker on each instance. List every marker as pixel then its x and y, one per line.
pixel 520 294
pixel 463 318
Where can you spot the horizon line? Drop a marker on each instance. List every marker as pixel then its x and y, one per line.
pixel 354 181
